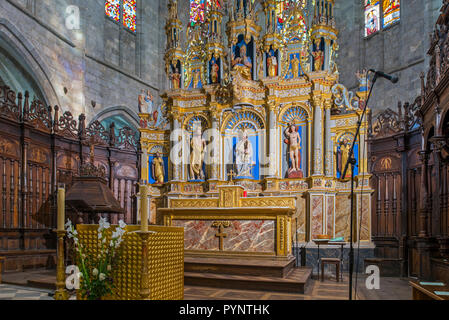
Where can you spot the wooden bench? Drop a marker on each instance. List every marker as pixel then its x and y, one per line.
pixel 2 259
pixel 427 292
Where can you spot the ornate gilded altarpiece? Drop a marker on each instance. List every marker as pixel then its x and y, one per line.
pixel 267 69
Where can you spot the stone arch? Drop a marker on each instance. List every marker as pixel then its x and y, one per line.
pixel 27 55
pixel 128 115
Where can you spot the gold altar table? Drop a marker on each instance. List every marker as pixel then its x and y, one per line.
pixel 232 225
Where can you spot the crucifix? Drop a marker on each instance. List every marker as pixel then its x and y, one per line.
pixel 221 225
pixel 231 176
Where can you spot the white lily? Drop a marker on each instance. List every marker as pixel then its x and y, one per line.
pixel 102 277
pixel 95 272
pixel 122 224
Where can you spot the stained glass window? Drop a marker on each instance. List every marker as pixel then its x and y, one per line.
pixel 112 9
pixel 372 16
pixel 197 11
pixel 129 14
pixel 392 12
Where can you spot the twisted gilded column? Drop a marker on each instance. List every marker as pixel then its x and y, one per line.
pixel 215 146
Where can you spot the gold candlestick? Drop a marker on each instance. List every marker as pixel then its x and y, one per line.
pixel 144 279
pixel 61 208
pixel 144 208
pixel 61 292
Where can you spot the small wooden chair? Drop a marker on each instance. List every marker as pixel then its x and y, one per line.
pixel 2 259
pixel 330 261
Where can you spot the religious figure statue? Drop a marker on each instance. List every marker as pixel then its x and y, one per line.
pixel 214 72
pixel 342 158
pixel 295 66
pixel 161 117
pixel 244 156
pixel 175 78
pixel 293 140
pixel 157 169
pixel 142 103
pixel 196 79
pixel 243 63
pixel 318 59
pixel 272 65
pixel 197 146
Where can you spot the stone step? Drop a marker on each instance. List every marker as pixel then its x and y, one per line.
pixel 296 281
pixel 240 266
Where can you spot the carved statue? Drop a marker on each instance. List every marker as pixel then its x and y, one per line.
pixel 176 79
pixel 243 63
pixel 143 107
pixel 342 157
pixel 157 169
pixel 244 156
pixel 293 140
pixel 272 65
pixel 197 145
pixel 196 79
pixel 295 66
pixel 318 59
pixel 214 72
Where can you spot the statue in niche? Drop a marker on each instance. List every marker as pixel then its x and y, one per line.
pixel 215 69
pixel 242 63
pixel 196 79
pixel 197 146
pixel 175 78
pixel 244 156
pixel 293 140
pixel 295 66
pixel 157 169
pixel 318 57
pixel 272 64
pixel 342 158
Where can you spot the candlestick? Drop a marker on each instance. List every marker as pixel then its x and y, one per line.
pixel 144 208
pixel 61 208
pixel 61 292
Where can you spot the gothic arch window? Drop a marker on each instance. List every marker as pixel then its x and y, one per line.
pixel 123 11
pixel 380 14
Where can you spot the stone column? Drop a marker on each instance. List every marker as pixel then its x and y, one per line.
pixel 328 141
pixel 318 138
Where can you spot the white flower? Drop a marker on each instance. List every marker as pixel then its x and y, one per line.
pixel 80 275
pixel 99 235
pixel 68 225
pixel 102 277
pixel 122 224
pixel 104 224
pixel 95 272
pixel 109 268
pixel 111 244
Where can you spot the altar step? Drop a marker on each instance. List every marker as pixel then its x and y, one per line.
pixel 295 282
pixel 240 266
pixel 246 274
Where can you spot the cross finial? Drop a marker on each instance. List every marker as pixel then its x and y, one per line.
pixel 231 176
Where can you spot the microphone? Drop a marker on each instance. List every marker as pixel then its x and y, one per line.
pixel 390 77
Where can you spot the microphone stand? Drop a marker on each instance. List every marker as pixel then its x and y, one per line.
pixel 352 162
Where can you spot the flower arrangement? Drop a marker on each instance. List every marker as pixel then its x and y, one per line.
pixel 96 270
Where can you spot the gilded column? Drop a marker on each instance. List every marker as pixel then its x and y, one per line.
pixel 272 157
pixel 215 146
pixel 328 140
pixel 318 138
pixel 176 150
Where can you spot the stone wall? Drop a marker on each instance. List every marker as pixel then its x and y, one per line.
pixel 400 49
pixel 101 64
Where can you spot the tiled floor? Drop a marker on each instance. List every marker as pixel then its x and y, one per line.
pixel 10 292
pixel 391 289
